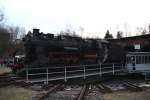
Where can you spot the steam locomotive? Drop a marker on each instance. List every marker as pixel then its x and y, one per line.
pixel 47 50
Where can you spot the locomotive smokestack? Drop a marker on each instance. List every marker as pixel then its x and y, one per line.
pixel 36 33
pixel 36 30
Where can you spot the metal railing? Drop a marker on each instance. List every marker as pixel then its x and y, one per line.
pixel 66 72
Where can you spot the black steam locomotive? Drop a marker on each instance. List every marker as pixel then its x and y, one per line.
pixel 47 50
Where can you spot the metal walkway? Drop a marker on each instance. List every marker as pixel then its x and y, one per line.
pixel 67 72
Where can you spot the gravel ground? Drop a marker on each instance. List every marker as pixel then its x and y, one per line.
pixel 127 95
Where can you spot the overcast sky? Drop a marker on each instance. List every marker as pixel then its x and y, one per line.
pixel 94 16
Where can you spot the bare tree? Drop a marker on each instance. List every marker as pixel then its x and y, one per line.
pixel 8 35
pixel 16 32
pixel 4 40
pixel 81 30
pixel 1 16
pixel 144 31
pixel 68 32
pixel 141 31
pixel 22 33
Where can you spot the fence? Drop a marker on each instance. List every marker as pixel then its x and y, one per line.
pixel 66 72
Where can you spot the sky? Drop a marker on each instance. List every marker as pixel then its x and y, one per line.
pixel 89 18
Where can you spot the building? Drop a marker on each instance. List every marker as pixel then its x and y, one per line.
pixel 137 53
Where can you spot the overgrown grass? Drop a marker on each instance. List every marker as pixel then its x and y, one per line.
pixel 4 69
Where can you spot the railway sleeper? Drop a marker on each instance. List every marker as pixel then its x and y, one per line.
pixel 4 85
pixel 103 88
pixel 132 87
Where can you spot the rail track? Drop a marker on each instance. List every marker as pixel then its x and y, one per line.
pixel 5 80
pixel 50 90
pixel 60 87
pixel 84 91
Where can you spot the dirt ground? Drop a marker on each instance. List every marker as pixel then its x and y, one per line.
pixel 19 93
pixel 127 95
pixel 16 93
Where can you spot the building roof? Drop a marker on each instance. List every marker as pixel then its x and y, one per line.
pixel 146 36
